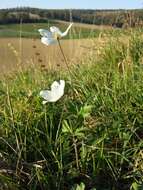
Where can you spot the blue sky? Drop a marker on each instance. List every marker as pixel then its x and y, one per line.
pixel 86 4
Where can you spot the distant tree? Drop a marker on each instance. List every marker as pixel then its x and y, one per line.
pixel 116 18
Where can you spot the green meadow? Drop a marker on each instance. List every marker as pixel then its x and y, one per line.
pixel 78 31
pixel 30 30
pixel 92 137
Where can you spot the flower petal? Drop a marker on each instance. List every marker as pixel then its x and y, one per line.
pixel 54 29
pixel 62 84
pixel 48 41
pixel 55 85
pixel 45 33
pixel 56 92
pixel 66 32
pixel 46 94
pixel 44 102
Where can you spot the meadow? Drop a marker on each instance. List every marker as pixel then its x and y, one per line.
pixel 21 43
pixel 30 30
pixel 90 139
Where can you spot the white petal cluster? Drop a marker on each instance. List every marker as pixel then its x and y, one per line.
pixel 51 37
pixel 56 92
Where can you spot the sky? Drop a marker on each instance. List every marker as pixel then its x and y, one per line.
pixel 76 4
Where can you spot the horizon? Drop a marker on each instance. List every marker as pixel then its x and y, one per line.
pixel 81 4
pixel 21 7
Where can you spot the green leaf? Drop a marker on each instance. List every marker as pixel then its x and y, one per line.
pixel 79 187
pixel 136 186
pixel 66 128
pixel 85 111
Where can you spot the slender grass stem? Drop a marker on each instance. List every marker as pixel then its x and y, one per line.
pixel 13 124
pixel 12 117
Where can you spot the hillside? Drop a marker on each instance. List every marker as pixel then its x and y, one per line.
pixel 92 137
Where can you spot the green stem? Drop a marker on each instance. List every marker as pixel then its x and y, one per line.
pixel 76 153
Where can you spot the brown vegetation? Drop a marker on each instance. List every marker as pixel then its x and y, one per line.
pixel 14 51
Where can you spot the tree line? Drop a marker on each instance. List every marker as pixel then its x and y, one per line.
pixel 116 18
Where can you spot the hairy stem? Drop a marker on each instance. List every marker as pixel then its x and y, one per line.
pixel 65 59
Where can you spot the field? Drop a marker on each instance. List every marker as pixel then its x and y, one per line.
pixel 16 39
pixel 91 138
pixel 31 30
pixel 32 51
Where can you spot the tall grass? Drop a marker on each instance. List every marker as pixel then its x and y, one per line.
pixel 90 139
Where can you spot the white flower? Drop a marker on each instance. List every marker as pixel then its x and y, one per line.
pixel 56 92
pixel 51 37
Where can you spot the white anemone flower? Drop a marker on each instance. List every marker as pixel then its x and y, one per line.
pixel 51 37
pixel 56 92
